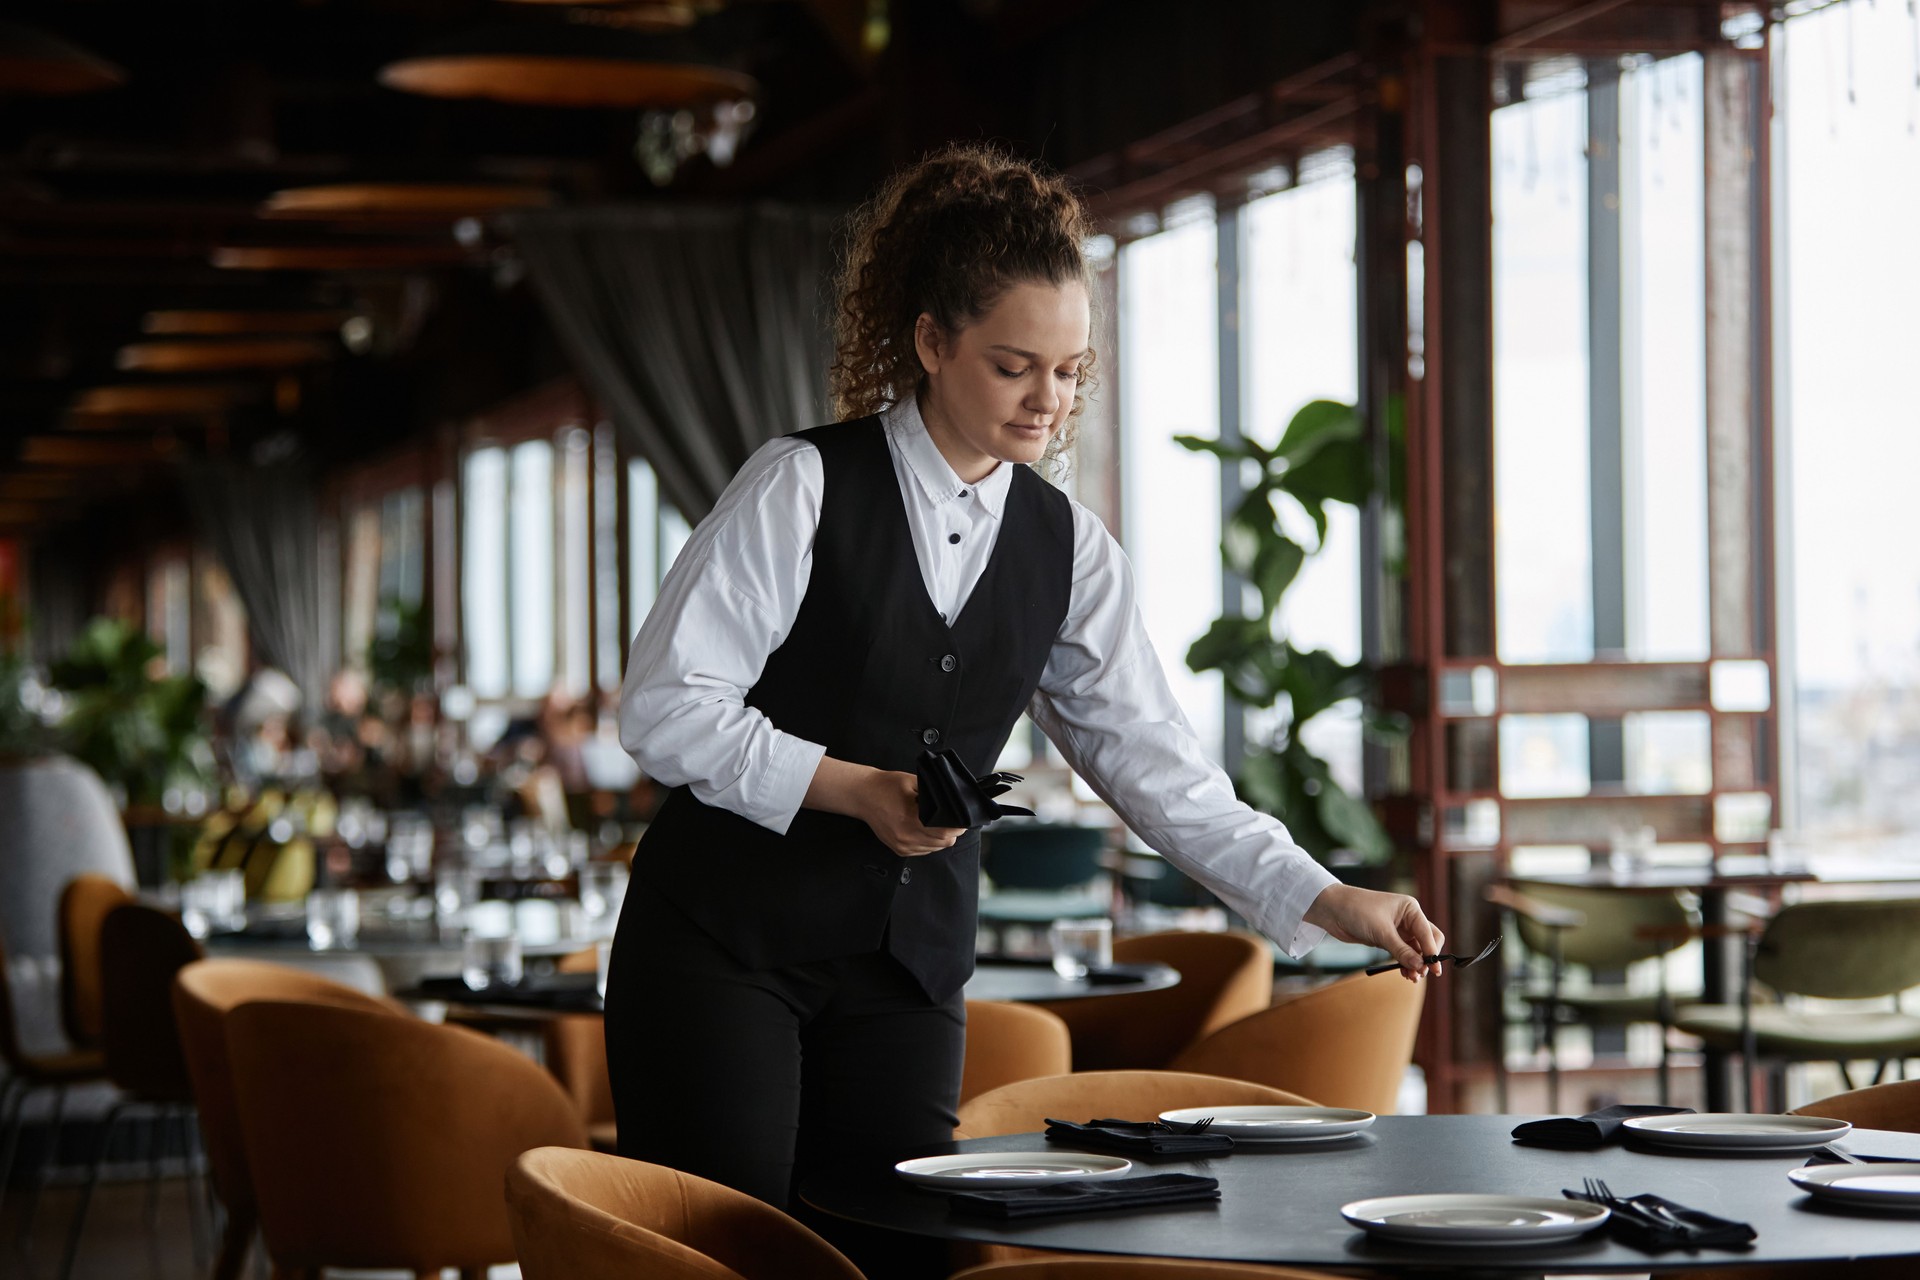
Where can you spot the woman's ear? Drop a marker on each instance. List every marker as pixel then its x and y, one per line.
pixel 928 341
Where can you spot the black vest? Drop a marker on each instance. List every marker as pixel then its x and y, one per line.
pixel 872 672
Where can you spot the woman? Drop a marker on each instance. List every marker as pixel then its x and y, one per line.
pixel 786 979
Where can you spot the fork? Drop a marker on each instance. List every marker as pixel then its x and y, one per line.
pixel 1598 1190
pixel 1459 962
pixel 1191 1127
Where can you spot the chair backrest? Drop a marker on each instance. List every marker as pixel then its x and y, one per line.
pixel 1346 1044
pixel 1008 1042
pixel 1040 856
pixel 377 1141
pixel 1026 1105
pixel 141 949
pixel 1893 1106
pixel 84 906
pixel 581 1215
pixel 1841 950
pixel 1223 978
pixel 1133 1269
pixel 576 1050
pixel 203 994
pixel 1618 929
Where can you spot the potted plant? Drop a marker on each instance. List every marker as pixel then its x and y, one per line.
pixel 140 729
pixel 1322 458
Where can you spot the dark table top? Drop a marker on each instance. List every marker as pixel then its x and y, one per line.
pixel 1283 1205
pixel 1001 980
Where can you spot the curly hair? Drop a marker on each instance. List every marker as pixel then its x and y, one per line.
pixel 949 236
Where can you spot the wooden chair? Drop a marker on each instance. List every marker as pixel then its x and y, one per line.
pixel 585 1215
pixel 397 1151
pixel 1346 1044
pixel 1026 1105
pixel 141 949
pixel 84 906
pixel 203 994
pixel 1223 977
pixel 1008 1042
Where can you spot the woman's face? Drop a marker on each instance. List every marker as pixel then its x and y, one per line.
pixel 999 389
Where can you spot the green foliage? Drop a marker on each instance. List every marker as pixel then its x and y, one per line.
pixel 135 725
pixel 1321 458
pixel 401 654
pixel 23 731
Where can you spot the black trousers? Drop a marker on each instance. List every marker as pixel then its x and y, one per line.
pixel 755 1077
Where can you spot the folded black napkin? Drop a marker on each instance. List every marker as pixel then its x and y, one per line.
pixel 950 796
pixel 1087 1197
pixel 1594 1129
pixel 1138 1137
pixel 1823 1156
pixel 1656 1224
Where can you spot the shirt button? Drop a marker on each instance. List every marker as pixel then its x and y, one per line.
pixel 963 493
pixel 929 736
pixel 953 537
pixel 906 875
pixel 949 662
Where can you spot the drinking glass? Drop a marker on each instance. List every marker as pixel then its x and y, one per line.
pixel 489 960
pixel 333 918
pixel 603 886
pixel 1081 945
pixel 603 958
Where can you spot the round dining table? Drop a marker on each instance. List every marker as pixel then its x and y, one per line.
pixel 1281 1204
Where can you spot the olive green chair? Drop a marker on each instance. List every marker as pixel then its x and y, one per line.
pixel 1855 957
pixel 1576 938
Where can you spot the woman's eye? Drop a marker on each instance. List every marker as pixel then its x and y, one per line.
pixel 1011 373
pixel 1070 375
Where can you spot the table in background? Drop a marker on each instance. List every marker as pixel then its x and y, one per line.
pixel 1282 1205
pixel 1036 981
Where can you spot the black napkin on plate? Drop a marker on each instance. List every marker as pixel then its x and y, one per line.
pixel 1138 1137
pixel 1656 1224
pixel 1594 1129
pixel 1823 1156
pixel 1087 1197
pixel 950 796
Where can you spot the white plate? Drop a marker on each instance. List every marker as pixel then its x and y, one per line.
pixel 1275 1124
pixel 1471 1219
pixel 1723 1130
pixel 1883 1183
pixel 1008 1169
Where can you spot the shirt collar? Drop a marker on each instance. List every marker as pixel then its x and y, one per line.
pixel 937 478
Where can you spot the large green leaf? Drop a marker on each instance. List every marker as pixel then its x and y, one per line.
pixel 1318 423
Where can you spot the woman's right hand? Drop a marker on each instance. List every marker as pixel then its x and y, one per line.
pixel 887 801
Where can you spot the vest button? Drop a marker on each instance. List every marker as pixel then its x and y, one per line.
pixel 949 662
pixel 906 875
pixel 929 736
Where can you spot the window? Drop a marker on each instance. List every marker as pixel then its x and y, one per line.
pixel 531 600
pixel 483 579
pixel 656 532
pixel 576 559
pixel 1171 497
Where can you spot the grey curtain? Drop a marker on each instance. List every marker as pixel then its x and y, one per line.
pixel 261 522
pixel 704 332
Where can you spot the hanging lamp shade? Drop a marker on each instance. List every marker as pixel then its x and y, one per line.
pixel 570 65
pixel 236 353
pixel 37 62
pixel 401 201
pixel 243 322
pixel 157 400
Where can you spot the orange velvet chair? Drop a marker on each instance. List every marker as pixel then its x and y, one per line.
pixel 1024 1106
pixel 203 994
pixel 575 1047
pixel 1008 1042
pixel 1223 978
pixel 1346 1044
pixel 400 1143
pixel 1881 1106
pixel 84 906
pixel 585 1215
pixel 1081 1267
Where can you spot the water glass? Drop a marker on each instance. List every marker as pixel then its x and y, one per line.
pixel 603 887
pixel 603 958
pixel 454 890
pixel 1080 946
pixel 490 960
pixel 333 918
pixel 214 900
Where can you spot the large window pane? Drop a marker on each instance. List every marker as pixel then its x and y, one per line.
pixel 1170 512
pixel 643 543
pixel 530 533
pixel 576 646
pixel 608 651
pixel 1852 182
pixel 1543 562
pixel 483 571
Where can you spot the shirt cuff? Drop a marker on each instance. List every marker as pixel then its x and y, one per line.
pixel 1282 914
pixel 784 785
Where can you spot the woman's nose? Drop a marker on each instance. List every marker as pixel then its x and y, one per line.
pixel 1046 401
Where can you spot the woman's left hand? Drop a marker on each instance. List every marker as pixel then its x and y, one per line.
pixel 1391 921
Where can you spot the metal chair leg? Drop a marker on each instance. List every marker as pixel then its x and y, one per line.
pixel 47 1163
pixel 236 1243
pixel 13 1102
pixel 86 1188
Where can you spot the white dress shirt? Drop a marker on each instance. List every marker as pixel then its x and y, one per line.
pixel 733 593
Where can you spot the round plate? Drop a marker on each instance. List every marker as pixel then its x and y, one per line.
pixel 1724 1130
pixel 1474 1219
pixel 1008 1169
pixel 1275 1124
pixel 1882 1184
